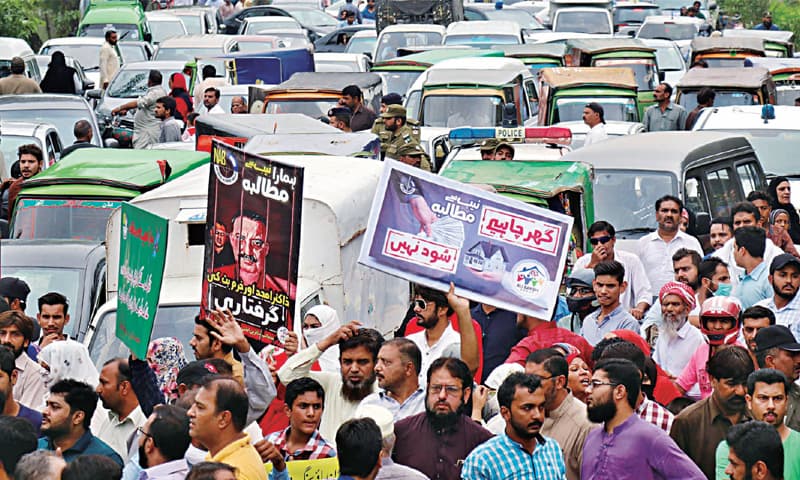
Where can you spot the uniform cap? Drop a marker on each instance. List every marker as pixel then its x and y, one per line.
pixel 393 111
pixel 410 149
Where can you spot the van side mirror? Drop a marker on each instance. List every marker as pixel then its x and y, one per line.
pixel 96 94
pixel 702 223
pixel 510 115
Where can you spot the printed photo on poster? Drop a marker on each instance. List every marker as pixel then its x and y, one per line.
pixel 433 230
pixel 253 241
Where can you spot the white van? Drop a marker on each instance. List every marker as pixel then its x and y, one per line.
pixel 14 47
pixel 333 225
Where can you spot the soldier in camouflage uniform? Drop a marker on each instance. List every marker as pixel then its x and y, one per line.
pixel 398 132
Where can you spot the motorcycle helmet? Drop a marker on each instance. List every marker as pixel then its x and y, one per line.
pixel 721 307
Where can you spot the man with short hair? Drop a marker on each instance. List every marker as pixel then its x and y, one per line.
pixel 767 401
pixel 17 438
pixel 210 79
pixel 146 127
pixel 777 348
pixel 609 283
pixel 677 338
pixel 16 330
pixel 714 280
pixel 656 249
pixel 521 451
pixel 109 58
pixel 397 371
pixel 720 232
pixel 121 415
pixel 17 83
pixel 626 446
pixel 766 23
pixel 53 316
pixel 784 276
pixel 358 352
pixel 748 252
pixel 39 465
pixel 211 101
pixel 163 443
pixel 238 105
pixel 31 162
pixel 594 117
pixel 216 420
pixel 705 99
pixel 638 294
pixel 170 127
pixel 363 117
pixel 755 452
pixel 14 292
pixel 565 416
pixel 362 444
pixel 500 333
pixel 700 427
pixel 753 320
pixel 437 441
pixel 82 131
pixel 8 406
pixel 399 132
pixel 339 118
pixel 664 115
pixel 496 149
pixel 66 422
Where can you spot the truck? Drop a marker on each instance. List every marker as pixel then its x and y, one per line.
pixel 439 12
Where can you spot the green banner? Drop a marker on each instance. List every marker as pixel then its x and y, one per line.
pixel 143 247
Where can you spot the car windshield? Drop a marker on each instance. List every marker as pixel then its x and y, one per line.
pixel 87 55
pixel 131 53
pixel 391 41
pixel 633 15
pixel 582 22
pixel 131 83
pixel 732 62
pixel 721 99
pixel 259 26
pixel 669 59
pixel 62 219
pixel 643 70
pixel 668 31
pixel 524 19
pixel 175 321
pixel 457 111
pixel 570 109
pixel 479 40
pixel 639 188
pixel 41 280
pixel 63 119
pixel 126 31
pixel 312 108
pixel 164 29
pixel 397 81
pixel 9 145
pixel 360 45
pixel 312 17
pixel 186 54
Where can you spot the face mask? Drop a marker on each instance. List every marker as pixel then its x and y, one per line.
pixel 724 290
pixel 314 335
pixel 577 305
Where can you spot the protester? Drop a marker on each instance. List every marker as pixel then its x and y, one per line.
pixel 362 117
pixel 754 319
pixel 8 406
pixel 609 283
pixel 163 443
pixel 146 127
pixel 166 358
pixel 780 192
pixel 91 467
pixel 755 452
pixel 397 371
pixel 361 442
pixel 170 127
pixel 16 330
pixel 385 421
pixel 17 83
pixel 664 115
pixel 581 300
pixel 39 465
pixel 110 58
pixel 777 348
pixel 183 102
pixel 82 131
pixel 121 414
pixel 17 438
pixel 677 339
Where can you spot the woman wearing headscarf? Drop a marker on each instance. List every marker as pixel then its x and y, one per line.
pixel 780 191
pixel 779 236
pixel 165 356
pixel 59 77
pixel 320 322
pixel 183 102
pixel 68 359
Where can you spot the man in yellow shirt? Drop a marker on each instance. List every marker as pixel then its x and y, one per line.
pixel 216 420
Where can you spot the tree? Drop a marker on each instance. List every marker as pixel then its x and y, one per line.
pixel 19 18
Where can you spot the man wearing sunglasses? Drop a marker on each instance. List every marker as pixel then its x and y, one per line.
pixel 637 296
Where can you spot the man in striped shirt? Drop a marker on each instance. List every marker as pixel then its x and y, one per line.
pixel 521 451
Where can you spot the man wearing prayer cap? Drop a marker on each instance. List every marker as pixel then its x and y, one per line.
pixel 678 339
pixel 385 421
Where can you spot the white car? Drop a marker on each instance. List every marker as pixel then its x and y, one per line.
pixel 263 25
pixel 363 41
pixel 483 33
pixel 669 59
pixel 164 26
pixel 340 62
pixel 583 20
pixel 629 16
pixel 680 30
pixel 394 37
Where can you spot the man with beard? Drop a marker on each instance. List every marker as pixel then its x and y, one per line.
pixel 720 232
pixel 777 348
pixel 677 338
pixel 65 422
pixel 9 406
pixel 627 447
pixel 700 427
pixel 109 58
pixel 358 352
pixel 767 401
pixel 655 249
pixel 714 280
pixel 170 126
pixel 686 265
pixel 754 319
pixel 16 330
pixel 521 451
pixel 163 443
pixel 784 276
pixel 399 132
pixel 397 371
pixel 31 161
pixel 437 441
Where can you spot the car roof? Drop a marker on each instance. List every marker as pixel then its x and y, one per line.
pixel 748 117
pixel 726 44
pixel 603 45
pixel 197 41
pixel 11 47
pixel 52 253
pixel 110 13
pixel 588 76
pixel 366 33
pixel 23 128
pixel 635 5
pixel 744 77
pixel 555 50
pixel 154 65
pixel 769 35
pixel 38 101
pixel 271 19
pixel 676 150
pixel 476 27
pixel 74 41
pixel 162 17
pixel 414 27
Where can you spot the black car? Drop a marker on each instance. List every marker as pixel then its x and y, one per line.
pixel 231 24
pixel 332 41
pixel 314 21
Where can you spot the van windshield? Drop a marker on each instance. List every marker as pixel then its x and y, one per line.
pixel 126 31
pixel 570 109
pixel 721 99
pixel 312 108
pixel 399 81
pixel 458 110
pixel 582 22
pixel 391 41
pixel 62 219
pixel 641 188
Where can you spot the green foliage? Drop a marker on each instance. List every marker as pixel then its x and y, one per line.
pixel 19 18
pixel 61 17
pixel 785 13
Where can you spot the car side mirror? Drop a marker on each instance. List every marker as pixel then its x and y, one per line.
pixel 148 37
pixel 702 223
pixel 111 143
pixel 88 85
pixel 95 93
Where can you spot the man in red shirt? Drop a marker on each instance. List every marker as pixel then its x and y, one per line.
pixel 545 334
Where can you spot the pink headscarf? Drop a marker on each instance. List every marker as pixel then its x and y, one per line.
pixel 682 290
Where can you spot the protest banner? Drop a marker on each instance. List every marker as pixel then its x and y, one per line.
pixel 252 241
pixel 143 246
pixel 432 230
pixel 322 469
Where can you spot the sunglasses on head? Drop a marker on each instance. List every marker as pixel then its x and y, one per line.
pixel 420 303
pixel 603 239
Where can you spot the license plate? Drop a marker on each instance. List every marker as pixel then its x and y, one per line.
pixel 510 133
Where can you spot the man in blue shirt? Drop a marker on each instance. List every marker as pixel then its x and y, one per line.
pixel 500 334
pixel 65 422
pixel 609 283
pixel 766 23
pixel 369 11
pixel 359 442
pixel 748 252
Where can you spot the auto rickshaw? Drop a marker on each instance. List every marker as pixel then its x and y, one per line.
pixel 314 93
pixel 536 56
pixel 786 75
pixel 777 43
pixel 726 51
pixel 732 86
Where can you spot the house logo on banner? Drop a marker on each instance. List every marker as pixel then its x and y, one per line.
pixel 530 279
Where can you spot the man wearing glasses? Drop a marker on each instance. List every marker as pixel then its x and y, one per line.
pixel 637 296
pixel 626 446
